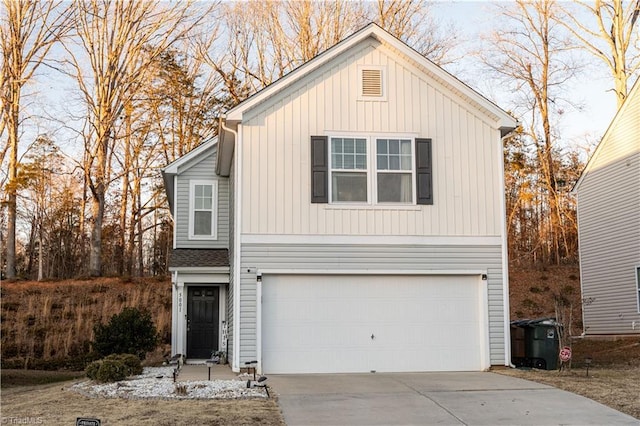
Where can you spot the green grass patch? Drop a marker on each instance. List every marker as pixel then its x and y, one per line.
pixel 13 378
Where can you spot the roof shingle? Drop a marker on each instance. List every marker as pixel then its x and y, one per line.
pixel 190 258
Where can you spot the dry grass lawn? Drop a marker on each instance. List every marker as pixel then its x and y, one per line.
pixel 53 404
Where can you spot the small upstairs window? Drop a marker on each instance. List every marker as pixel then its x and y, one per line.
pixel 203 206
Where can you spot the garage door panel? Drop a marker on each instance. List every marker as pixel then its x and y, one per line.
pixel 325 323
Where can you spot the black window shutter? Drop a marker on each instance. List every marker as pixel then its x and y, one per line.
pixel 424 172
pixel 319 170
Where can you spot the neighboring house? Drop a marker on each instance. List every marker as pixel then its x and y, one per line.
pixel 608 194
pixel 361 201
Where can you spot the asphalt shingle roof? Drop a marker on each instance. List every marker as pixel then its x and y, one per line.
pixel 189 258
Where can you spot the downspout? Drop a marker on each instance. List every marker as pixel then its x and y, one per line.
pixel 235 363
pixel 175 315
pixel 505 259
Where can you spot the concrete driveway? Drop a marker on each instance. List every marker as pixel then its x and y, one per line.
pixel 433 398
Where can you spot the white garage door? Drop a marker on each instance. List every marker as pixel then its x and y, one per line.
pixel 363 323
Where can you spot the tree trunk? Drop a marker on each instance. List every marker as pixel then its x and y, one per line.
pixel 13 124
pixel 40 250
pixel 95 253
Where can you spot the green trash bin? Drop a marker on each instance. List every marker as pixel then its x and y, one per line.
pixel 542 344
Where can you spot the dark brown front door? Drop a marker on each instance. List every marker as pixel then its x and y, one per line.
pixel 202 321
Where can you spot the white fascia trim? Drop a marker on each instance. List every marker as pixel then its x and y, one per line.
pixel 270 271
pixel 235 363
pixel 173 167
pixel 372 239
pixel 504 119
pixel 375 31
pixel 605 138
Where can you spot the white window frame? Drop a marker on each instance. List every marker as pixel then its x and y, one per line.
pixel 214 209
pixel 637 271
pixel 372 168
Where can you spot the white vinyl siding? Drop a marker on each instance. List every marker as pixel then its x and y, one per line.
pixel 276 153
pixel 609 227
pixel 372 258
pixel 201 168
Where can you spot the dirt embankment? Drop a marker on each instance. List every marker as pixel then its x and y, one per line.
pixel 49 325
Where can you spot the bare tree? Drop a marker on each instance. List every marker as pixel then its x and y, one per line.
pixel 531 54
pixel 28 30
pixel 612 36
pixel 118 41
pixel 265 40
pixel 413 22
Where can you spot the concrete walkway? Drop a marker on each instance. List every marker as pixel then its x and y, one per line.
pixel 433 398
pixel 198 372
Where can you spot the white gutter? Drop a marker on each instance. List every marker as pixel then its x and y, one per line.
pixel 235 362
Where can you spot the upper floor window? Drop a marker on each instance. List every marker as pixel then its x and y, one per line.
pixel 349 170
pixel 382 174
pixel 203 197
pixel 394 161
pixel 371 170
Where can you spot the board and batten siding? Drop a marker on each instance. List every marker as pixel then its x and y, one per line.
pixel 609 229
pixel 202 170
pixel 369 259
pixel 467 153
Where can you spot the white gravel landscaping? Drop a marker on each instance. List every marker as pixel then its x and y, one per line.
pixel 157 383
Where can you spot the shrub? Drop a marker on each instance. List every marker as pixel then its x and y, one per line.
pixel 131 363
pixel 92 370
pixel 131 331
pixel 111 370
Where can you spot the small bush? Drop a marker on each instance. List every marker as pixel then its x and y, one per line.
pixel 131 362
pixel 131 331
pixel 92 370
pixel 111 370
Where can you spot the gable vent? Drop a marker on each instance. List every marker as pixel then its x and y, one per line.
pixel 371 82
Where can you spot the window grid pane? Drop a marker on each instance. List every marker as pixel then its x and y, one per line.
pixel 349 187
pixel 202 210
pixel 348 154
pixel 395 188
pixel 394 154
pixel 202 223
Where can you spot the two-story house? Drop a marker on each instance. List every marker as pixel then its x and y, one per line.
pixel 608 195
pixel 349 218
